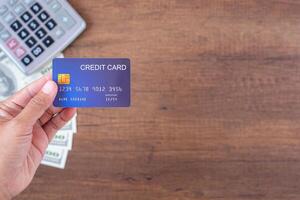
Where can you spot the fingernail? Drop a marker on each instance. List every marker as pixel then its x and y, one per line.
pixel 48 87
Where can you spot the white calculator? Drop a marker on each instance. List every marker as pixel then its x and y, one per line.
pixel 32 32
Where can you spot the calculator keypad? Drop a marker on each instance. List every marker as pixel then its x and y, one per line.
pixel 19 9
pixel 65 18
pixel 55 6
pixel 36 8
pixel 43 16
pixel 26 17
pixel 16 26
pixel 3 9
pixel 51 24
pixel 23 34
pixel 5 35
pixel 12 43
pixel 12 2
pixel 28 2
pixel 20 52
pixel 28 29
pixel 30 42
pixel 37 51
pixel 59 32
pixel 48 41
pixel 9 17
pixel 27 60
pixel 48 1
pixel 34 17
pixel 41 33
pixel 33 25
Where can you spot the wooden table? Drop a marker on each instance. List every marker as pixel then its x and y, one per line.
pixel 215 104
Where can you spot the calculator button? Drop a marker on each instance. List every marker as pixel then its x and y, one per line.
pixel 33 25
pixel 20 52
pixel 38 50
pixel 12 2
pixel 36 8
pixel 3 9
pixel 28 2
pixel 51 24
pixel 5 35
pixel 30 42
pixel 16 25
pixel 26 17
pixel 55 6
pixel 19 9
pixel 66 19
pixel 27 60
pixel 48 1
pixel 48 41
pixel 12 43
pixel 41 33
pixel 23 34
pixel 43 16
pixel 9 17
pixel 1 27
pixel 58 33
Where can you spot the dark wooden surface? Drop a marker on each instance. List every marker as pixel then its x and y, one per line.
pixel 215 104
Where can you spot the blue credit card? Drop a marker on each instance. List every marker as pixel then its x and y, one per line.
pixel 92 82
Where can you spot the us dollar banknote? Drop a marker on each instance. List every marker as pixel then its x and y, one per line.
pixel 62 139
pixel 55 157
pixel 71 126
pixel 11 81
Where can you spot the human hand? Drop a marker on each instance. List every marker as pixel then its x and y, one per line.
pixel 28 122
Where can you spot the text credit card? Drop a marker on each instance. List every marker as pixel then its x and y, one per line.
pixel 92 82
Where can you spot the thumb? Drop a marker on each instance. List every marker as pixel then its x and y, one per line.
pixel 38 105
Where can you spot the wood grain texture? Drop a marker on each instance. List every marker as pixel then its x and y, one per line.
pixel 215 104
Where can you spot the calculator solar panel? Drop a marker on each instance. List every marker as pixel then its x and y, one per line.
pixel 33 31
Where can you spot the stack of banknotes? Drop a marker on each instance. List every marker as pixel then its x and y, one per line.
pixel 11 81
